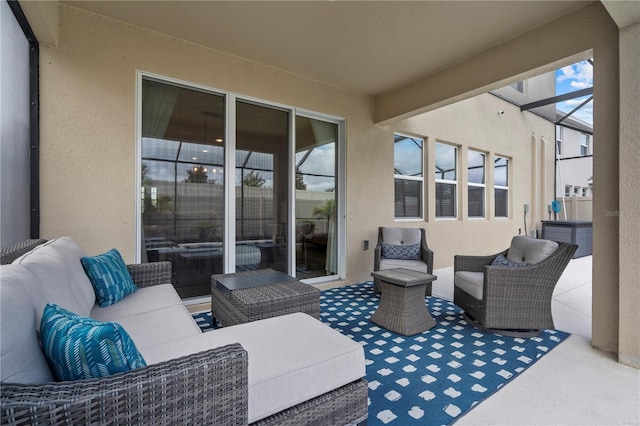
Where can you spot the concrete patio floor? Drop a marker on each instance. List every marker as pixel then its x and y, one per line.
pixel 574 384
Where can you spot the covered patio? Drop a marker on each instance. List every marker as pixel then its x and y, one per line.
pixel 368 71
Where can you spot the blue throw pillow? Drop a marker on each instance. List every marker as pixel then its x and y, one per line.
pixel 500 260
pixel 404 252
pixel 82 348
pixel 109 276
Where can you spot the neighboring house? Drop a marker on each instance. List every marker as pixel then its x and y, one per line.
pixel 574 169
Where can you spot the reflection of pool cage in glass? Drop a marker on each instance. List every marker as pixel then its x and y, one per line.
pixel 255 210
pixel 316 208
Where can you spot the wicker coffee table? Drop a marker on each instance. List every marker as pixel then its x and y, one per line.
pixel 402 308
pixel 253 295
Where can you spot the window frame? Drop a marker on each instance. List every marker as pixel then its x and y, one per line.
pixel 229 174
pixel 453 183
pixel 482 185
pixel 585 144
pixel 568 189
pixel 410 178
pixel 501 187
pixel 559 137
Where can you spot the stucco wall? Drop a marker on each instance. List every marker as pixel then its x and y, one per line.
pixel 88 140
pixel 88 163
pixel 514 134
pixel 629 346
pixel 88 121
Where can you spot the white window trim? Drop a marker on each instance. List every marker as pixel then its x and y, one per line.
pixel 454 183
pixel 232 97
pixel 504 187
pixel 451 182
pixel 411 178
pixel 479 185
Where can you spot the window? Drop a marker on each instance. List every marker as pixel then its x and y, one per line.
pixel 567 190
pixel 476 183
pixel 585 144
pixel 446 180
pixel 576 191
pixel 408 177
pixel 584 192
pixel 501 186
pixel 559 134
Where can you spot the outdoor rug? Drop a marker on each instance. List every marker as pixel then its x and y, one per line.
pixel 430 378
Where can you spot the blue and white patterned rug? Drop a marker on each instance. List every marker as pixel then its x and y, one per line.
pixel 430 378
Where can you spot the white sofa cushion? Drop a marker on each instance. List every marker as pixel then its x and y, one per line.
pixel 530 250
pixel 57 268
pixel 22 359
pixel 401 236
pixel 159 326
pixel 471 283
pixel 292 358
pixel 145 299
pixel 414 265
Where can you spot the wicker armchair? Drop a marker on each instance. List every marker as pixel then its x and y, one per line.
pixel 514 300
pixel 405 236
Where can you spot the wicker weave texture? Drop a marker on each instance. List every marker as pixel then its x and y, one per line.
pixel 207 388
pixel 346 405
pixel 426 255
pixel 402 309
pixel 514 297
pixel 266 301
pixel 149 274
pixel 14 251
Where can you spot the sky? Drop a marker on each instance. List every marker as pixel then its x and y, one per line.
pixel 571 78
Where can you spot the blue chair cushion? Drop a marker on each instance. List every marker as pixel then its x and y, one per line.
pixel 82 348
pixel 500 260
pixel 109 276
pixel 404 252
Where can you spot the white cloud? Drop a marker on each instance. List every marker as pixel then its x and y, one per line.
pixel 580 75
pixel 567 73
pixel 579 84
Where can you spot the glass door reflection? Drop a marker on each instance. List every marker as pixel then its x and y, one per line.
pixel 316 202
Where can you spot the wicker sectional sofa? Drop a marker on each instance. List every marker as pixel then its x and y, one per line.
pixel 290 369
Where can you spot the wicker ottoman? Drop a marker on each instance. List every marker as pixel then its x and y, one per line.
pixel 267 299
pixel 402 308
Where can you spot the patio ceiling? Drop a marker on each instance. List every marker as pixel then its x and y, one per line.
pixel 373 48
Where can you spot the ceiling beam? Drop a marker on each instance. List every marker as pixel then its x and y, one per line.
pixel 562 42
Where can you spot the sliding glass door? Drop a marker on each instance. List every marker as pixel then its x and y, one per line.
pixel 262 146
pixel 316 202
pixel 228 184
pixel 182 187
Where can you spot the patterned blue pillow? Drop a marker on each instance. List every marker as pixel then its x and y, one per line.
pixel 408 252
pixel 82 348
pixel 500 260
pixel 109 276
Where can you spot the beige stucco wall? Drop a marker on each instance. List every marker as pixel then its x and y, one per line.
pixel 520 136
pixel 629 344
pixel 606 237
pixel 88 92
pixel 88 162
